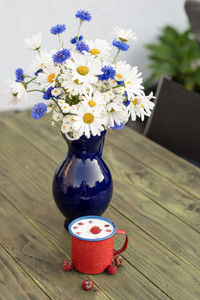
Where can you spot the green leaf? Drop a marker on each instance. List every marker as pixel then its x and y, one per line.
pixel 72 100
pixel 174 54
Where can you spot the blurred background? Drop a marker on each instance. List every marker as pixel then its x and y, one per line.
pixel 21 19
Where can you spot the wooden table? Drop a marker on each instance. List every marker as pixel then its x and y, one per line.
pixel 156 200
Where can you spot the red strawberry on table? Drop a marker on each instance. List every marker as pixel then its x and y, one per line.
pixel 87 284
pixel 67 265
pixel 111 269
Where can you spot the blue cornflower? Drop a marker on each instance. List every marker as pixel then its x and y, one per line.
pixel 60 56
pixel 121 45
pixel 59 28
pixel 74 39
pixel 126 103
pixel 38 111
pixel 118 127
pixel 108 72
pixel 83 15
pixel 37 72
pixel 81 46
pixel 19 75
pixel 47 94
pixel 120 82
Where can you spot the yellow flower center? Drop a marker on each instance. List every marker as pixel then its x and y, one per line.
pixel 119 76
pixel 94 51
pixel 128 82
pixel 92 103
pixel 134 101
pixel 112 110
pixel 123 39
pixel 88 118
pixel 142 105
pixel 77 82
pixel 83 70
pixel 51 77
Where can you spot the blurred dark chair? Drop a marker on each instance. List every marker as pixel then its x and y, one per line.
pixel 192 8
pixel 175 120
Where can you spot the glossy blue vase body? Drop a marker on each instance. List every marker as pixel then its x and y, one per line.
pixel 82 183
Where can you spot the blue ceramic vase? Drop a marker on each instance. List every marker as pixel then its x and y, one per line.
pixel 82 183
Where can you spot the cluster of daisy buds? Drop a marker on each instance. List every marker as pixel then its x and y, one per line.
pixel 85 89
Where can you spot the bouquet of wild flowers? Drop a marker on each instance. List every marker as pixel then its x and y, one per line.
pixel 83 91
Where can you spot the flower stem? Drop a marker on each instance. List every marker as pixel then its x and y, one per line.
pixel 60 40
pixel 79 30
pixel 34 91
pixel 115 87
pixel 31 80
pixel 115 58
pixel 57 105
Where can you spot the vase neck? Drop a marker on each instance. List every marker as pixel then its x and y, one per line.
pixel 84 145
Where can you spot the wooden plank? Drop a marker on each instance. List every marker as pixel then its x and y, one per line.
pixel 22 192
pixel 164 162
pixel 169 165
pixel 155 262
pixel 15 283
pixel 183 276
pixel 179 203
pixel 39 258
pixel 139 208
pixel 165 270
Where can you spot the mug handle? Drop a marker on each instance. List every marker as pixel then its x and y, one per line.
pixel 120 231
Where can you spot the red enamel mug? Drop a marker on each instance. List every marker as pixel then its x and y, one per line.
pixel 92 241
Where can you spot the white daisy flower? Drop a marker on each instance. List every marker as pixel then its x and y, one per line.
pixel 108 96
pixel 73 86
pixel 132 83
pixel 85 68
pixel 56 92
pixel 50 107
pixel 99 48
pixel 34 43
pixel 122 71
pixel 124 35
pixel 41 60
pixel 73 108
pixel 65 107
pixel 66 127
pixel 94 101
pixel 47 78
pixel 116 113
pixel 88 122
pixel 57 116
pixel 141 107
pixel 61 102
pixel 17 93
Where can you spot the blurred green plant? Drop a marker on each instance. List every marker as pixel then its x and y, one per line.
pixel 177 55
